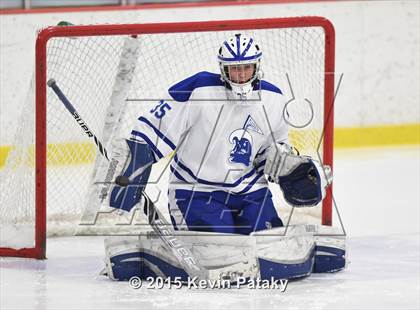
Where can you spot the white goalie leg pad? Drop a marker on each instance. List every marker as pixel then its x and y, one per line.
pixel 225 256
pixel 130 256
pixel 279 253
pixel 285 252
pixel 146 256
pixel 330 248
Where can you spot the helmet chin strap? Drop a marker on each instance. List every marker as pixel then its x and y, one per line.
pixel 242 90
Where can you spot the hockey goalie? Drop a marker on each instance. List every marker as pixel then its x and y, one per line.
pixel 229 140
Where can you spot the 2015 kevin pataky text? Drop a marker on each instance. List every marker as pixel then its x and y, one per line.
pixel 196 283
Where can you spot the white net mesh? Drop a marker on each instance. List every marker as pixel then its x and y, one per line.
pixel 97 74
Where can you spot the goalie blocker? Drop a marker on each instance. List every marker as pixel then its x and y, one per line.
pixel 126 192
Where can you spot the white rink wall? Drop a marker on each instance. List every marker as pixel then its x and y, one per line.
pixel 377 51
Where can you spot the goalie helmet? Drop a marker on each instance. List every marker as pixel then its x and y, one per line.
pixel 240 51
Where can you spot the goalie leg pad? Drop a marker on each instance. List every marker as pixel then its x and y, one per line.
pixel 330 250
pixel 285 253
pixel 281 271
pixel 143 265
pixel 146 256
pixel 329 259
pixel 140 257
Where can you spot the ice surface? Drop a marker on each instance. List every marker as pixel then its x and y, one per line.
pixel 377 195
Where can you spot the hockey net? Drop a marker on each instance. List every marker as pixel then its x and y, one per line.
pixel 47 182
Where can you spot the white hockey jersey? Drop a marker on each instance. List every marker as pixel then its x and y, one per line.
pixel 220 140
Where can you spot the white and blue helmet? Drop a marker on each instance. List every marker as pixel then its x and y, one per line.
pixel 239 50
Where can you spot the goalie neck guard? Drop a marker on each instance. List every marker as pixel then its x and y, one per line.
pixel 236 53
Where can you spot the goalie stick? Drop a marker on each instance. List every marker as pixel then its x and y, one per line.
pixel 52 83
pixel 161 227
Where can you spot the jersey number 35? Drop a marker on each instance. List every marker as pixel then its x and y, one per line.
pixel 160 110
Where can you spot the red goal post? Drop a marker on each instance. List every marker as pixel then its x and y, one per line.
pixel 41 141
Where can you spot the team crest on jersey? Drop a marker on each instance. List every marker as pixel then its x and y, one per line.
pixel 242 142
pixel 251 125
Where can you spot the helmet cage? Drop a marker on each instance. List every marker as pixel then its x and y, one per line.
pixel 239 50
pixel 226 77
